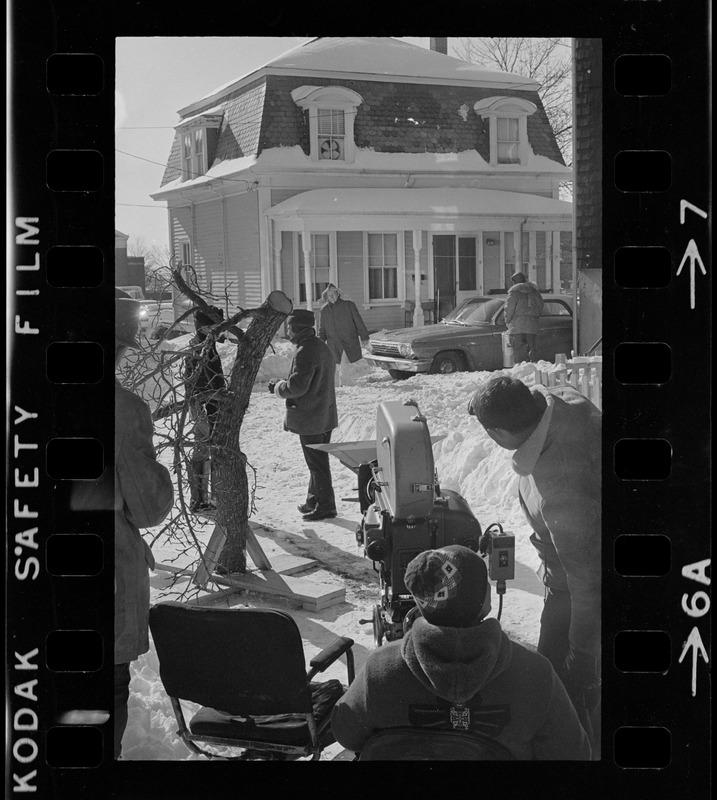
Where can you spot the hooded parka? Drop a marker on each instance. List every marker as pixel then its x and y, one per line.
pixel 512 695
pixel 523 308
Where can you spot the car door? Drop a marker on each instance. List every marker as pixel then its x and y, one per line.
pixel 497 328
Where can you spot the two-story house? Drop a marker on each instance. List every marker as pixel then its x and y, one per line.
pixel 404 176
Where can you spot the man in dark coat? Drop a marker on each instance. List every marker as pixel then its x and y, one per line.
pixel 311 409
pixel 556 435
pixel 203 381
pixel 140 491
pixel 522 314
pixel 456 670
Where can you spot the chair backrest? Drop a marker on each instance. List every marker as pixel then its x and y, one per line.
pixel 422 744
pixel 242 661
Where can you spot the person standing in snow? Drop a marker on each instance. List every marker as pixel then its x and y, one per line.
pixel 522 314
pixel 556 435
pixel 311 409
pixel 341 327
pixel 456 670
pixel 141 493
pixel 203 380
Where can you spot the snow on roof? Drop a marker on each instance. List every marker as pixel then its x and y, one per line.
pixel 380 57
pixel 219 171
pixel 367 158
pixel 451 202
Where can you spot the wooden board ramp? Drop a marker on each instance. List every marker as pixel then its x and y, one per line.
pixel 278 580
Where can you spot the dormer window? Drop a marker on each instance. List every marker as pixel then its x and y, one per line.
pixel 198 135
pixel 331 129
pixel 508 127
pixel 332 110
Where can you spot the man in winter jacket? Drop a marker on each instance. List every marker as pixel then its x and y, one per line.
pixel 456 670
pixel 556 435
pixel 140 492
pixel 311 409
pixel 203 381
pixel 341 326
pixel 522 314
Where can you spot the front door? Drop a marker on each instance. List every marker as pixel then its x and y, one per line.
pixel 444 275
pixel 455 271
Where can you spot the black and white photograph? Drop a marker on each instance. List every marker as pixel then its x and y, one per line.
pixel 400 449
pixel 356 258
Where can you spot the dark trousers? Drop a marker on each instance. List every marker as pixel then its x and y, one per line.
pixel 120 711
pixel 525 346
pixel 554 644
pixel 320 493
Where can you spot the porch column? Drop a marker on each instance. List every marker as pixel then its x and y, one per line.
pixel 417 309
pixel 308 283
pixel 555 236
pixel 276 254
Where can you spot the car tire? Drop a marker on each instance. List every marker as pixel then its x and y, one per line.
pixel 447 363
pixel 400 374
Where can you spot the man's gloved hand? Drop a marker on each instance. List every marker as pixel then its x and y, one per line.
pixel 271 386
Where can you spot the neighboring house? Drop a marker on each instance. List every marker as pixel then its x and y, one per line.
pixel 129 270
pixel 398 173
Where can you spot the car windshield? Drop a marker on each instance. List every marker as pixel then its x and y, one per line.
pixel 477 309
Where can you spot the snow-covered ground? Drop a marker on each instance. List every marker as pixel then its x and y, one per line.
pixel 467 461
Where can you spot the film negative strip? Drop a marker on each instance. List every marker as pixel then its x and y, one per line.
pixel 642 235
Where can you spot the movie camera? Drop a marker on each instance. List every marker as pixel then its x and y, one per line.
pixel 405 511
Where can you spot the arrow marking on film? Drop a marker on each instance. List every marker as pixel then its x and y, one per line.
pixel 694 256
pixel 694 643
pixel 684 204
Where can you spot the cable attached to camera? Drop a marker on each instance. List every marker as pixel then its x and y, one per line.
pixel 499 547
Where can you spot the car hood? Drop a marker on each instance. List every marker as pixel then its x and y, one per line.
pixel 430 333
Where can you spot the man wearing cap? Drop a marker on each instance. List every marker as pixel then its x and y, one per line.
pixel 522 314
pixel 141 494
pixel 556 435
pixel 455 669
pixel 311 409
pixel 203 381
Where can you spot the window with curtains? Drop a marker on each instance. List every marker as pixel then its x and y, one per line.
pixel 382 266
pixel 508 140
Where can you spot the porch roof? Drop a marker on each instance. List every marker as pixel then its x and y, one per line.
pixel 426 208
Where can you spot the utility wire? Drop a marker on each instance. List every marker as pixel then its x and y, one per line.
pixel 196 174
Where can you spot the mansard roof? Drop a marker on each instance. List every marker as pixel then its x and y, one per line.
pixel 424 105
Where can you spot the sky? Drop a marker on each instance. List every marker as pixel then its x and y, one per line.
pixel 155 77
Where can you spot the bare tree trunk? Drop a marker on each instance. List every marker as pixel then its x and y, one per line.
pixel 229 475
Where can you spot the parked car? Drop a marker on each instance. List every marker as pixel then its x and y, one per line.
pixel 468 338
pixel 156 317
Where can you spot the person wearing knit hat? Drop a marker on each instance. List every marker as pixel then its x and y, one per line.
pixel 522 314
pixel 140 492
pixel 455 669
pixel 310 397
pixel 203 384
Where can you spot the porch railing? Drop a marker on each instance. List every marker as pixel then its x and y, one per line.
pixel 582 372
